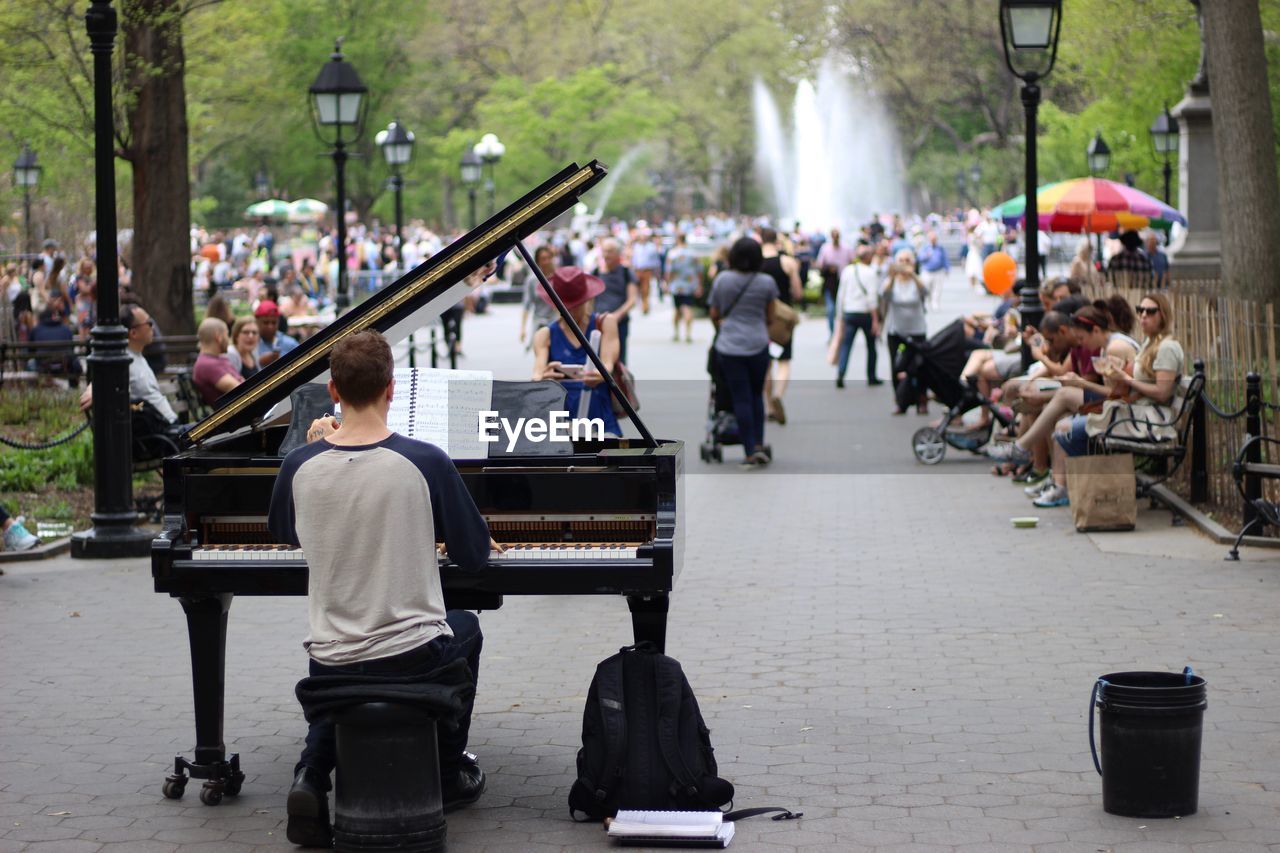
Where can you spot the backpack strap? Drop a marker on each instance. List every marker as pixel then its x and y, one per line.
pixel 614 719
pixel 669 679
pixel 786 814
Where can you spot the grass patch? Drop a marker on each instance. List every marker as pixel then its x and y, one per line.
pixel 56 484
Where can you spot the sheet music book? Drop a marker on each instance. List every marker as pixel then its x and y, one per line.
pixel 442 407
pixel 671 829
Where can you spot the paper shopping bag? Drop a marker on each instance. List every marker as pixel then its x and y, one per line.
pixel 1103 492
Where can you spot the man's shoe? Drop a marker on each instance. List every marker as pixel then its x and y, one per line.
pixel 308 810
pixel 839 381
pixel 874 382
pixel 463 786
pixel 18 538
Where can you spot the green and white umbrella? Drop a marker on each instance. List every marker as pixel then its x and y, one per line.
pixel 272 208
pixel 307 210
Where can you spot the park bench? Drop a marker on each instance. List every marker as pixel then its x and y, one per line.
pixel 1167 455
pixel 1254 463
pixel 50 360
pixel 16 357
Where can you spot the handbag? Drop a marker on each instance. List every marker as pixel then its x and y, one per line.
pixel 624 379
pixel 1103 492
pixel 626 382
pixel 782 326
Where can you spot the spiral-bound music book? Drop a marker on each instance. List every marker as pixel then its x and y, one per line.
pixel 633 828
pixel 442 407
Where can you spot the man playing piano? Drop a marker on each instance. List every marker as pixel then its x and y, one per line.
pixel 366 504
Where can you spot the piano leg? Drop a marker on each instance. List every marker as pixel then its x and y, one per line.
pixel 207 633
pixel 649 618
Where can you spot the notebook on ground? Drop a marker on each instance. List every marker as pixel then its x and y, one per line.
pixel 671 829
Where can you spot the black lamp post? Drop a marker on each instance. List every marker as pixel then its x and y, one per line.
pixel 490 151
pixel 1098 155
pixel 1098 158
pixel 975 181
pixel 338 104
pixel 397 149
pixel 470 167
pixel 26 174
pixel 262 183
pixel 1164 139
pixel 113 533
pixel 961 189
pixel 1029 30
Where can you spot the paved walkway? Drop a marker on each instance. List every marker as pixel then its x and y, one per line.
pixel 870 641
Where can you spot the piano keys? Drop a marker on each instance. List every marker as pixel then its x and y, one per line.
pixel 602 520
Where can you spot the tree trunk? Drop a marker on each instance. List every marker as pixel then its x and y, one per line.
pixel 1248 191
pixel 157 120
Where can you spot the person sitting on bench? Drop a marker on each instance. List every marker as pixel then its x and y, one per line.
pixel 143 387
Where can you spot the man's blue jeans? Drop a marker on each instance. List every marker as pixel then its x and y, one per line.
pixel 320 752
pixel 852 323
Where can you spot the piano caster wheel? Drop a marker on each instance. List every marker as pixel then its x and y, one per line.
pixel 174 787
pixel 211 793
pixel 232 785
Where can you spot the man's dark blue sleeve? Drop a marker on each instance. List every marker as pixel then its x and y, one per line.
pixel 280 518
pixel 457 521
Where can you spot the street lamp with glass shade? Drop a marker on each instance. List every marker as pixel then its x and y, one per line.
pixel 396 144
pixel 490 151
pixel 975 180
pixel 470 167
pixel 26 174
pixel 1098 155
pixel 1029 31
pixel 1164 139
pixel 961 192
pixel 262 183
pixel 338 107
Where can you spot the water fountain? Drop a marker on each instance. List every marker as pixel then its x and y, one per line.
pixel 841 161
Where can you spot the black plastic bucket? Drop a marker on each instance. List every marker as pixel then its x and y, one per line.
pixel 1151 724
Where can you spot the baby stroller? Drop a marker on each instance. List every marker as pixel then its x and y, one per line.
pixel 935 366
pixel 722 424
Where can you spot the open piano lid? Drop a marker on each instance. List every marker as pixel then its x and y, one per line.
pixel 397 310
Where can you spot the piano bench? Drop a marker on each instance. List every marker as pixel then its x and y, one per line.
pixel 387 794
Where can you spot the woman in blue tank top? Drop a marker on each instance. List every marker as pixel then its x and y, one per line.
pixel 558 356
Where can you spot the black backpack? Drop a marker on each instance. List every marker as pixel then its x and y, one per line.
pixel 644 743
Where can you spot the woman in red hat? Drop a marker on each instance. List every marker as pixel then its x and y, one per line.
pixel 557 355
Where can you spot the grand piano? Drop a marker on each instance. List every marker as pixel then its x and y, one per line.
pixel 603 519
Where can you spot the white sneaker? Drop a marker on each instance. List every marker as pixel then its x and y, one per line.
pixel 1038 489
pixel 18 538
pixel 1055 496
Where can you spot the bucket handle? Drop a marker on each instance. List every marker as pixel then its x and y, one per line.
pixel 1097 697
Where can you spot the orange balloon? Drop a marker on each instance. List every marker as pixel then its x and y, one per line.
pixel 999 271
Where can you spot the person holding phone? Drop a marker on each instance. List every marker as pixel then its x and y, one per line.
pixel 558 356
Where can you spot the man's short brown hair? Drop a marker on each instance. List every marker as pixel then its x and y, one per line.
pixel 361 368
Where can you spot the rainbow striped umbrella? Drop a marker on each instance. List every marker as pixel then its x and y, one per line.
pixel 1092 205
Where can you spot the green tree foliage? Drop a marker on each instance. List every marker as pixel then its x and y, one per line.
pixel 576 79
